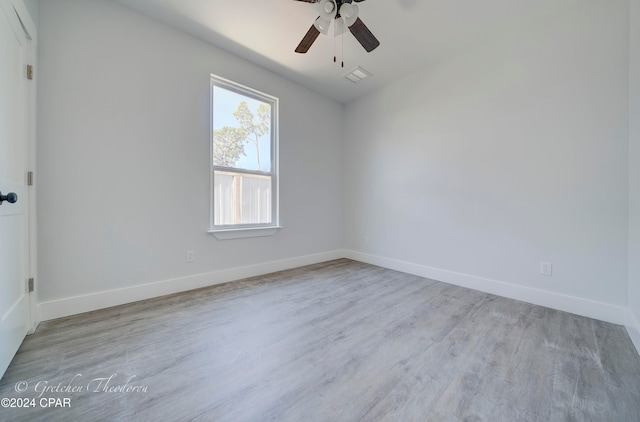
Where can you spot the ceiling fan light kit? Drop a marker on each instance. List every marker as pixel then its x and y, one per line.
pixel 322 25
pixel 329 6
pixel 347 12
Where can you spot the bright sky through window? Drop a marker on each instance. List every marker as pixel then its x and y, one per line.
pixel 226 103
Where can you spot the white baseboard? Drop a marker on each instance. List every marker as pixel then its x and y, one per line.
pixel 575 305
pixel 79 304
pixel 602 311
pixel 633 328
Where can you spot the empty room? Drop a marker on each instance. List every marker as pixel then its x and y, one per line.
pixel 320 210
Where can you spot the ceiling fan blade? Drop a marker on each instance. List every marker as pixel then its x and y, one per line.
pixel 364 36
pixel 308 40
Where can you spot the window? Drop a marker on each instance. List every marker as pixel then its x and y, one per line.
pixel 244 161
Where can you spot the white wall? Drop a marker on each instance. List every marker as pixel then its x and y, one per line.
pixel 634 167
pixel 33 6
pixel 501 157
pixel 123 158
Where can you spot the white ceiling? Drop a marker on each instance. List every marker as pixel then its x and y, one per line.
pixel 412 33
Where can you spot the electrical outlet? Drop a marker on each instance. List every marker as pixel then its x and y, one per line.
pixel 191 256
pixel 546 268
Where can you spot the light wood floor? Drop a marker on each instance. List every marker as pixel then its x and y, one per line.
pixel 339 341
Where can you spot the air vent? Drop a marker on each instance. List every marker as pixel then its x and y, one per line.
pixel 357 74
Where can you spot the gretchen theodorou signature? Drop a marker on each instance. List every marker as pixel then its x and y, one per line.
pixel 108 384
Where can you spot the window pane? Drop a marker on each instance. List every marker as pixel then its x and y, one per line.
pixel 241 198
pixel 224 212
pixel 241 131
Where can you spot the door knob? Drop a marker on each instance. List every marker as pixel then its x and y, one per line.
pixel 11 197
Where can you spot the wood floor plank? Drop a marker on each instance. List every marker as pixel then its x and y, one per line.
pixel 621 366
pixel 336 341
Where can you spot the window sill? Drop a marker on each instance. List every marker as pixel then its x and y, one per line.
pixel 244 232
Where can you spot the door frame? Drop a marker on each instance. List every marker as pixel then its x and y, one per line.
pixel 31 32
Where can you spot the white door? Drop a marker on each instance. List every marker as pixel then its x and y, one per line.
pixel 14 229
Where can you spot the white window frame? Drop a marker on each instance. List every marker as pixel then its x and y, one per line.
pixel 235 231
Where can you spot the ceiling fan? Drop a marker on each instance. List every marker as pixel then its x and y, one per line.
pixel 343 11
